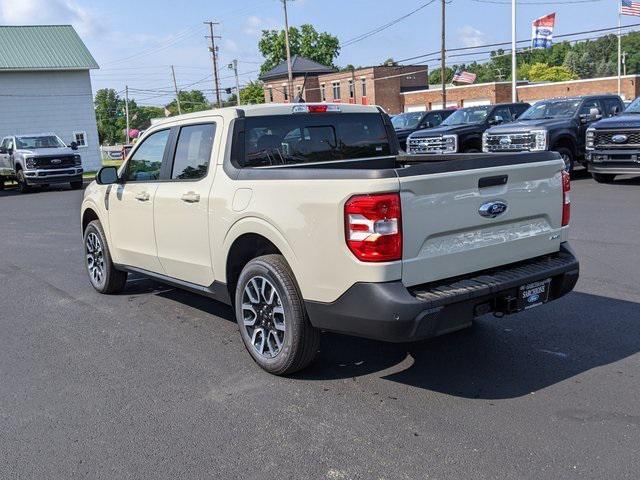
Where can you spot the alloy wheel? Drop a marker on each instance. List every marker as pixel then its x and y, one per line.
pixel 263 317
pixel 95 259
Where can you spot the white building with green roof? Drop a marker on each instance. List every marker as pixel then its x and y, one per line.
pixel 45 86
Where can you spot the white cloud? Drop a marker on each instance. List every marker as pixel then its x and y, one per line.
pixel 471 37
pixel 254 25
pixel 30 12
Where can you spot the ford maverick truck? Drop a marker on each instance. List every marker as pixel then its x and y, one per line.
pixel 558 125
pixel 305 218
pixel 39 160
pixel 613 145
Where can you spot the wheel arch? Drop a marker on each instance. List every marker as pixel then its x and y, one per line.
pixel 565 140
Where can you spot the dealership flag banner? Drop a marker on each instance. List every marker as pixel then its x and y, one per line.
pixel 542 31
pixel 464 77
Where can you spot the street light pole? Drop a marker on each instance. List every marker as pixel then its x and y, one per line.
pixel 514 63
pixel 126 110
pixel 443 73
pixel 286 38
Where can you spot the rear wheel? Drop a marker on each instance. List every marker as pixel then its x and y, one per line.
pixel 272 318
pixel 567 157
pixel 603 177
pixel 23 187
pixel 103 275
pixel 76 185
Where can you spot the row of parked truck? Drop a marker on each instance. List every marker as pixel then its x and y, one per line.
pixel 595 131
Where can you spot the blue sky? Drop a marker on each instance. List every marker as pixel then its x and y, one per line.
pixel 136 41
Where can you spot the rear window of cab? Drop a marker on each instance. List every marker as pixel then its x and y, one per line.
pixel 312 137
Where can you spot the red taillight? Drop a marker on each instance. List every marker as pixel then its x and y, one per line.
pixel 566 199
pixel 373 227
pixel 317 108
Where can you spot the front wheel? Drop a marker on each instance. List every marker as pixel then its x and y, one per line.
pixel 272 317
pixel 567 157
pixel 603 177
pixel 23 187
pixel 103 275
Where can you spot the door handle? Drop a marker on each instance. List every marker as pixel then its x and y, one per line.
pixel 190 197
pixel 143 196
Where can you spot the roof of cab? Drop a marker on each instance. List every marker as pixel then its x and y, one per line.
pixel 260 110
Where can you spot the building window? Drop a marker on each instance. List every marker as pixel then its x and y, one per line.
pixel 364 86
pixel 336 90
pixel 352 91
pixel 270 95
pixel 285 90
pixel 80 138
pixel 323 93
pixel 298 92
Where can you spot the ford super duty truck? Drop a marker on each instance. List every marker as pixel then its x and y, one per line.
pixel 613 145
pixel 39 160
pixel 304 218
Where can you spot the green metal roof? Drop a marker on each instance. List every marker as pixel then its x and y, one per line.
pixel 43 47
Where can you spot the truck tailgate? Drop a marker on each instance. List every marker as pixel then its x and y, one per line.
pixel 445 234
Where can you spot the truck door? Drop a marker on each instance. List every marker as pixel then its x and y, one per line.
pixel 182 204
pixel 5 156
pixel 131 205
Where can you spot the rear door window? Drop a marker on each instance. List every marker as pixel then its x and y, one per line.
pixel 304 138
pixel 193 152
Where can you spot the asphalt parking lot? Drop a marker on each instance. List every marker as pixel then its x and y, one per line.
pixel 155 383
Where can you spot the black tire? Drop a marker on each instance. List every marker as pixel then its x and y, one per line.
pixel 23 187
pixel 76 185
pixel 603 177
pixel 300 341
pixel 472 150
pixel 112 280
pixel 568 157
pixel 1 184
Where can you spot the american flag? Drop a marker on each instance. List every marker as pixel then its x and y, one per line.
pixel 629 7
pixel 464 77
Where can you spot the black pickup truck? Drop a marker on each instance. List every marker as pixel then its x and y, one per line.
pixel 613 145
pixel 462 131
pixel 558 124
pixel 407 123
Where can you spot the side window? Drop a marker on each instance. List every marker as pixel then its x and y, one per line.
pixel 434 119
pixel 517 110
pixel 612 107
pixel 502 112
pixel 193 152
pixel 145 163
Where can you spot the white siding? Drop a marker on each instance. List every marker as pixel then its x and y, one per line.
pixel 59 102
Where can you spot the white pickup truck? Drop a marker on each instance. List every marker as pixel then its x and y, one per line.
pixel 304 218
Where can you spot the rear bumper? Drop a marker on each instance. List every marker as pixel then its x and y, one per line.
pixel 392 312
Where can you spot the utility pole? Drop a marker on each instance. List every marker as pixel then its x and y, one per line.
pixel 443 51
pixel 353 84
pixel 624 63
pixel 175 87
pixel 214 59
pixel 234 66
pixel 286 38
pixel 126 110
pixel 514 63
pixel 619 49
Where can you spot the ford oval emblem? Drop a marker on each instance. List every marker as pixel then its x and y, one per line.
pixel 533 298
pixel 56 161
pixel 492 209
pixel 505 141
pixel 619 138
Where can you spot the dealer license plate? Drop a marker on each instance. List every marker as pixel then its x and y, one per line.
pixel 533 294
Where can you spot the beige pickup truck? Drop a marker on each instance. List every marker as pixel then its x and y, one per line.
pixel 304 218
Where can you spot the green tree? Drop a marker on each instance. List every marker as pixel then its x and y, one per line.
pixel 541 72
pixel 252 93
pixel 109 109
pixel 190 101
pixel 434 76
pixel 307 42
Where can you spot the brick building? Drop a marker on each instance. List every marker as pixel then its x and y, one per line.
pixel 380 85
pixel 499 92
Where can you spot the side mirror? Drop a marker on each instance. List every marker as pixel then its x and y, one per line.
pixel 73 145
pixel 426 125
pixel 107 176
pixel 3 151
pixel 594 114
pixel 496 120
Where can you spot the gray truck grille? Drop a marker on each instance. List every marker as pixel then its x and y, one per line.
pixel 54 161
pixel 604 138
pixel 510 142
pixel 426 145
